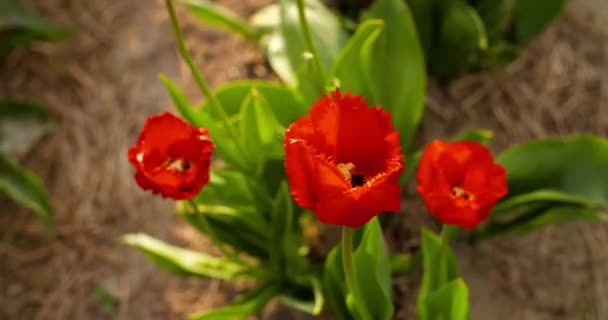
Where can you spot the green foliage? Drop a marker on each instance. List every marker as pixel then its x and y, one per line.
pixel 442 294
pixel 229 203
pixel 23 187
pixel 248 305
pixel 218 16
pixel 184 262
pixel 20 26
pixel 551 180
pixel 334 286
pixel 464 35
pixel 328 37
pixel 531 17
pixel 356 80
pixel 461 39
pixel 178 97
pixel 22 124
pixel 107 301
pixel 395 66
pixel 286 105
pixel 261 111
pixel 449 302
pixel 372 275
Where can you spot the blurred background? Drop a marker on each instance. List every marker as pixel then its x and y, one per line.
pixel 100 83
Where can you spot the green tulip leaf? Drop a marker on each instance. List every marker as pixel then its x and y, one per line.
pixel 395 63
pixel 182 261
pixel 248 305
pixel 372 273
pixel 220 17
pixel 440 267
pixel 23 187
pixel 462 37
pixel 349 78
pixel 22 124
pixel 334 284
pixel 531 17
pixel 449 302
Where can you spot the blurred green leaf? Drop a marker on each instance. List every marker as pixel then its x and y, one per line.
pixel 550 180
pixel 183 261
pixel 449 302
pixel 225 144
pixel 219 16
pixel 248 305
pixel 577 165
pixel 267 19
pixel 532 17
pixel 284 103
pixel 226 186
pixel 22 124
pixel 402 264
pixel 499 54
pixel 396 67
pixel 249 134
pixel 281 229
pixel 273 103
pixel 23 187
pixel 181 102
pixel 479 135
pixel 350 78
pixel 496 16
pixel 440 267
pixel 537 217
pixel 328 36
pixel 334 285
pixel 544 195
pixel 313 305
pixel 260 130
pixel 462 37
pixel 20 25
pixel 372 274
pixel 252 236
pixel 425 13
pixel 108 302
pixel 298 304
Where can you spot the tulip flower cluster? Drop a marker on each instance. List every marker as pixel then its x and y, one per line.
pixel 343 162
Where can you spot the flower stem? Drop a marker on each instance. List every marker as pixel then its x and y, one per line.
pixel 310 44
pixel 199 77
pixel 347 260
pixel 445 234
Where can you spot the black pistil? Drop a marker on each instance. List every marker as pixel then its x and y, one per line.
pixel 357 180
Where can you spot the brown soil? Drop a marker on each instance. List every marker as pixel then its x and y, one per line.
pixel 103 83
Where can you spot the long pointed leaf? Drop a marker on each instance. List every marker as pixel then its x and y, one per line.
pixel 26 189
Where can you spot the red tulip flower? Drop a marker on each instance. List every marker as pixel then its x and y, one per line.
pixel 172 157
pixel 459 182
pixel 343 160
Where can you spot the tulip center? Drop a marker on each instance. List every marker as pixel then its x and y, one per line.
pixel 355 179
pixel 178 165
pixel 459 192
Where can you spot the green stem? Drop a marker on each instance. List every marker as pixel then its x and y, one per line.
pixel 199 77
pixel 347 261
pixel 311 45
pixel 445 234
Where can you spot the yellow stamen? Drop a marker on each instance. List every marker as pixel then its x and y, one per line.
pixel 461 193
pixel 346 170
pixel 178 165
